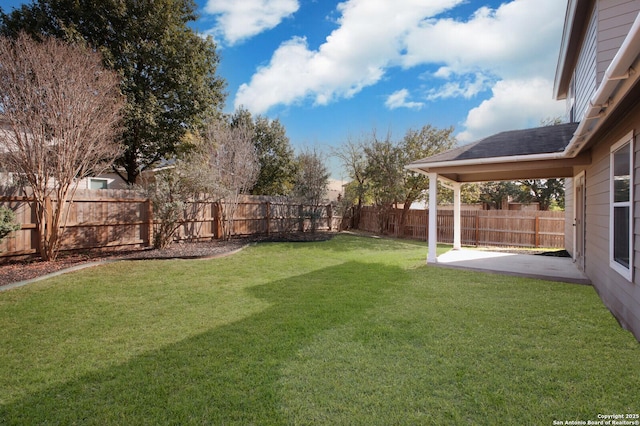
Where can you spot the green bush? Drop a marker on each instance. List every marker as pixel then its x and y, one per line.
pixel 7 222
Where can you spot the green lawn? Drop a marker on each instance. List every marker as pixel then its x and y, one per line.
pixel 349 331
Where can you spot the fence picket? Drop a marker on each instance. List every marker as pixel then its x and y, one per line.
pixel 121 218
pixel 117 219
pixel 479 227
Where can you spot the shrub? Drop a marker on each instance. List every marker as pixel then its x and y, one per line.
pixel 169 196
pixel 178 197
pixel 7 222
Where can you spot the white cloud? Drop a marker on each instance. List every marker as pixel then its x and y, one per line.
pixel 511 50
pixel 443 72
pixel 511 41
pixel 466 87
pixel 239 20
pixel 515 104
pixel 353 56
pixel 398 99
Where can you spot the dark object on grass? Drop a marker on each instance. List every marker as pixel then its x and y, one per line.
pixel 557 253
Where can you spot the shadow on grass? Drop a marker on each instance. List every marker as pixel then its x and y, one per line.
pixel 226 375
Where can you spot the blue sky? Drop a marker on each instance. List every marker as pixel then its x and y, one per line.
pixel 333 70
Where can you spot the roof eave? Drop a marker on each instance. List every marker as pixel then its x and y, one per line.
pixel 571 34
pixel 559 89
pixel 422 167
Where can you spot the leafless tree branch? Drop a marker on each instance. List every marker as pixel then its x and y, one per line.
pixel 63 110
pixel 233 164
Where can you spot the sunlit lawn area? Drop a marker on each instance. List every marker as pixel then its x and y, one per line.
pixel 349 331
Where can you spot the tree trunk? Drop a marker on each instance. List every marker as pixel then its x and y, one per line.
pixel 357 214
pixel 403 218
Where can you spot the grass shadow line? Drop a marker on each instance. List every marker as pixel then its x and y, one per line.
pixel 226 375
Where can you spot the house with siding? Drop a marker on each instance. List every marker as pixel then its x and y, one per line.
pixel 106 180
pixel 597 151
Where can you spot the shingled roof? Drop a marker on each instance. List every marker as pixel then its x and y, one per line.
pixel 539 140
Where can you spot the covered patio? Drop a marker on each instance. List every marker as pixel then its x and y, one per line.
pixel 550 268
pixel 538 153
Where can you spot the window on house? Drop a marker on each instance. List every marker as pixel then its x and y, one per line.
pixel 96 183
pixel 621 212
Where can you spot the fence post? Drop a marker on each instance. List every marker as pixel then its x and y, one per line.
pixel 301 218
pixel 477 228
pixel 268 216
pixel 149 209
pixel 426 225
pixel 537 231
pixel 217 221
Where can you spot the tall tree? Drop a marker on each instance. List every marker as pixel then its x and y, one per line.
pixel 385 162
pixel 494 193
pixel 168 71
pixel 469 193
pixel 418 144
pixel 63 110
pixel 545 192
pixel 389 182
pixel 275 154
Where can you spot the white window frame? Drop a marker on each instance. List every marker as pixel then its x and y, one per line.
pixel 101 180
pixel 626 272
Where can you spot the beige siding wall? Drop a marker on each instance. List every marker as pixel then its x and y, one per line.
pixel 615 18
pixel 619 295
pixel 585 73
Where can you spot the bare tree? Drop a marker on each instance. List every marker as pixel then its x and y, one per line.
pixel 233 165
pixel 354 161
pixel 311 183
pixel 63 110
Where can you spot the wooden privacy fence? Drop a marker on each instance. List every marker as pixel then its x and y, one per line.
pixel 117 219
pixel 515 228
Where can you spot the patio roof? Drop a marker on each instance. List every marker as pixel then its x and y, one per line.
pixel 538 152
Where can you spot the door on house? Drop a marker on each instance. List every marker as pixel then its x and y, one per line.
pixel 579 221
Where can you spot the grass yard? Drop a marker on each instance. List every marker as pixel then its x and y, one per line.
pixel 349 331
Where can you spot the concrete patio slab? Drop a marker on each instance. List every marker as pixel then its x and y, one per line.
pixel 550 268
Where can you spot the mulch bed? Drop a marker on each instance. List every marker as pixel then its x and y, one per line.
pixel 17 271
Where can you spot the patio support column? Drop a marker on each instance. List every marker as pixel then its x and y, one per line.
pixel 432 256
pixel 457 227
